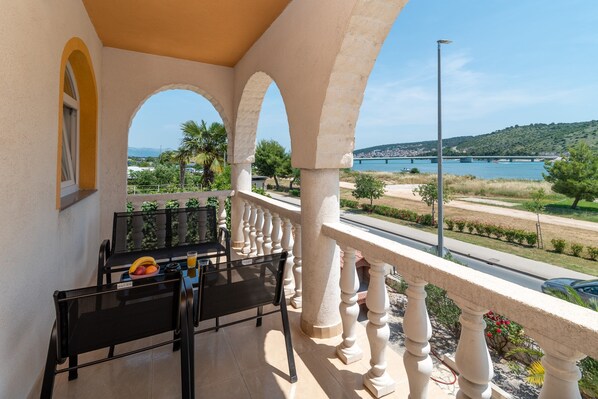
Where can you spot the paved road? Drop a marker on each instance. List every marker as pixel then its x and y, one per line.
pixel 526 272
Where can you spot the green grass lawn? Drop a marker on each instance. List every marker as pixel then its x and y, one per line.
pixel 562 260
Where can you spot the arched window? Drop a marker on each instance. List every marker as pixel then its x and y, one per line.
pixel 70 134
pixel 77 126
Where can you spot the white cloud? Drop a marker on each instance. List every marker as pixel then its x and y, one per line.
pixel 410 101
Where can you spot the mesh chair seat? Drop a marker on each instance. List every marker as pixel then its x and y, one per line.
pixel 250 283
pixel 94 318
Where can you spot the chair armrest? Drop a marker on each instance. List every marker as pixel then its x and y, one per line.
pixel 224 235
pixel 103 255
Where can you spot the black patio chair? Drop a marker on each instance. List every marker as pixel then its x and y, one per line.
pixel 164 234
pixel 236 286
pixel 93 318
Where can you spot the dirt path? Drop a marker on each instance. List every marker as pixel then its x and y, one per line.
pixel 405 191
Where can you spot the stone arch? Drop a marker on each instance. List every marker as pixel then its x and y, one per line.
pixel 215 103
pixel 368 27
pixel 248 115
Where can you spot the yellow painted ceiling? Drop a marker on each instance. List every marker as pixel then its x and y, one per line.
pixel 212 31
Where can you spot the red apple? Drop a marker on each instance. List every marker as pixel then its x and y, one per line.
pixel 139 271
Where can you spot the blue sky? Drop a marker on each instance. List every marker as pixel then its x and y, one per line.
pixel 511 62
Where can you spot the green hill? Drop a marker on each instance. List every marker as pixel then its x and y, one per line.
pixel 534 139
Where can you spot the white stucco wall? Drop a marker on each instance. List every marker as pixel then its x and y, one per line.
pixel 298 52
pixel 42 249
pixel 130 78
pixel 320 54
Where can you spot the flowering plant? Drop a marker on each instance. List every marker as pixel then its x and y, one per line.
pixel 502 332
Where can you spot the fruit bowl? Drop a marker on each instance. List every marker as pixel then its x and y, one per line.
pixel 137 277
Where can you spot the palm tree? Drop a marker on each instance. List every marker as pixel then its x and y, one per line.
pixel 182 155
pixel 207 143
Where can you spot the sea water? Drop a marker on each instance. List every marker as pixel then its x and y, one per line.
pixel 524 170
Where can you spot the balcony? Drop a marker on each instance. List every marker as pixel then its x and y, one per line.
pixel 358 363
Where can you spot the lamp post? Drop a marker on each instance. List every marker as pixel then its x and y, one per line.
pixel 440 249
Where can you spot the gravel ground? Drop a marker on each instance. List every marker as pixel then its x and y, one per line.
pixel 443 343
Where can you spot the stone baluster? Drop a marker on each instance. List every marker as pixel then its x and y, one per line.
pixel 297 299
pixel 161 224
pixel 252 233
pixel 418 330
pixel 561 373
pixel 287 245
pixel 221 212
pixel 259 233
pixel 472 356
pixel 267 231
pixel 276 233
pixel 246 229
pixel 348 350
pixel 377 380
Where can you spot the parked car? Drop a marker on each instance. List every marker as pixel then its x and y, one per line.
pixel 587 289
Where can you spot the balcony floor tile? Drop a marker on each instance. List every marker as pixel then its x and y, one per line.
pixel 239 361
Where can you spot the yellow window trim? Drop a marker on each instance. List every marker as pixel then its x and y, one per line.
pixel 76 52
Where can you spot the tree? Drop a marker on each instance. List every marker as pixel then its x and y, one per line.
pixel 296 177
pixel 429 194
pixel 575 176
pixel 272 160
pixel 207 144
pixel 367 186
pixel 536 205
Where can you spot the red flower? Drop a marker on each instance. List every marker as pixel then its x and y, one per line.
pixel 507 322
pixel 489 334
pixel 498 330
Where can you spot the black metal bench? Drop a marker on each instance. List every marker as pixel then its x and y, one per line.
pixel 164 234
pixel 93 318
pixel 240 285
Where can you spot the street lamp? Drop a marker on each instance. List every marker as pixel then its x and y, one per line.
pixel 440 249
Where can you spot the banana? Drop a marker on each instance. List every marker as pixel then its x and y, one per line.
pixel 143 261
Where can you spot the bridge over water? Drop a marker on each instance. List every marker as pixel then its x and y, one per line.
pixel 463 158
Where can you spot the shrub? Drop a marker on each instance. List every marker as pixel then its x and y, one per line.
pixel 499 232
pixel 559 245
pixel 520 236
pixel 414 171
pixel 443 308
pixel 592 252
pixel 346 203
pixel 461 225
pixel 510 235
pixel 500 332
pixel 425 219
pixel 295 193
pixel 576 249
pixel 367 207
pixel 531 238
pixel 450 224
pixel 470 227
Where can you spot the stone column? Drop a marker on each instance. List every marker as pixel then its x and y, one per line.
pixel 321 263
pixel 240 180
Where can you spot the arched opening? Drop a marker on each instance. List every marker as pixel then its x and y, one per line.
pixel 177 141
pixel 77 124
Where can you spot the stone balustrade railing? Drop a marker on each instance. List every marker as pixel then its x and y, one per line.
pixel 137 200
pixel 271 226
pixel 566 332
